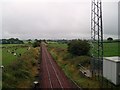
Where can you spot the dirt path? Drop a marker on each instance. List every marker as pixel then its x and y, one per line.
pixel 51 74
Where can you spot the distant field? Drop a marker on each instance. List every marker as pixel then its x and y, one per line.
pixel 11 45
pixel 111 49
pixel 59 45
pixel 7 55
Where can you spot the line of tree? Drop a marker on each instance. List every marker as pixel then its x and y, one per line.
pixel 12 41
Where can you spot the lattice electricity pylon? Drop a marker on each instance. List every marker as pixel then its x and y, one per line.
pixel 96 38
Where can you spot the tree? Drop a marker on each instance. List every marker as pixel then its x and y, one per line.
pixel 110 39
pixel 29 41
pixel 36 43
pixel 79 47
pixel 12 41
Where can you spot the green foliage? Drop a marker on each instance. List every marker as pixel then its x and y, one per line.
pixel 37 43
pixel 13 74
pixel 12 41
pixel 75 60
pixel 68 56
pixel 58 45
pixel 33 62
pixel 79 47
pixel 53 55
pixel 109 39
pixel 21 71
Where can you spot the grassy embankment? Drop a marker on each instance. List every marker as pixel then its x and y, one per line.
pixel 19 71
pixel 69 63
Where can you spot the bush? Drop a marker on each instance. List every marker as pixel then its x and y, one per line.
pixel 110 39
pixel 36 43
pixel 79 47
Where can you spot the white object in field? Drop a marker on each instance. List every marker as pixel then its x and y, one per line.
pixel 29 48
pixel 14 54
pixel 2 66
pixel 35 82
pixel 111 69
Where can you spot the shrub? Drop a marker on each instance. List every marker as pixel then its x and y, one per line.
pixel 79 47
pixel 36 43
pixel 110 39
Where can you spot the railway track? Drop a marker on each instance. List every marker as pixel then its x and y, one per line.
pixel 51 74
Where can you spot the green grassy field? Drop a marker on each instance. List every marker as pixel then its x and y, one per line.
pixel 8 57
pixel 12 45
pixel 111 49
pixel 58 45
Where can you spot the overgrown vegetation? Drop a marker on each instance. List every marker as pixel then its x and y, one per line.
pixel 36 43
pixel 79 47
pixel 21 73
pixel 70 63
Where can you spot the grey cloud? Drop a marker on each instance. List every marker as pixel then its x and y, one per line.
pixel 110 18
pixel 119 20
pixel 0 20
pixel 53 19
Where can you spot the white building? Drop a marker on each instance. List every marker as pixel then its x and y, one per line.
pixel 111 69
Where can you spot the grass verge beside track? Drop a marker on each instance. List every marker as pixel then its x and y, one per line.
pixel 69 63
pixel 21 73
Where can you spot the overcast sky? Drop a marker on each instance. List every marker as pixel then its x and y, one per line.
pixel 54 19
